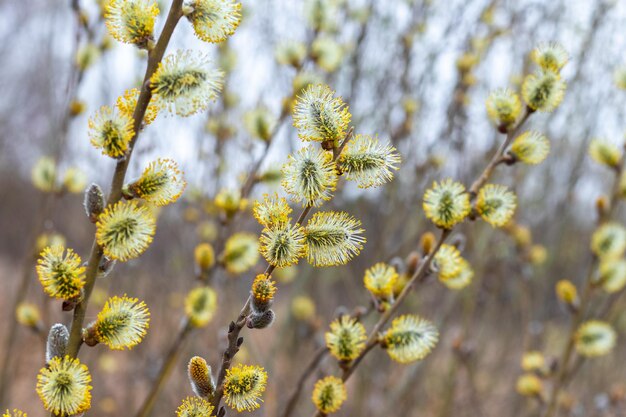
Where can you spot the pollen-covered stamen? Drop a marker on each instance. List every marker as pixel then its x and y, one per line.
pixel 263 290
pixel 320 116
pixel 63 386
pixel 122 323
pixel 346 339
pixel 126 105
pixel 446 203
pixel 184 84
pixel 496 204
pixel 111 131
pixel 460 279
pixel 214 20
pixel 14 413
pixel 368 162
pixel 125 230
pixel 503 107
pixel 161 183
pixel 333 238
pixel 272 211
pixel 409 339
pixel 543 91
pixel 329 394
pixel 282 245
pixel 131 21
pixel 380 281
pixel 550 56
pixel 195 407
pixel 61 272
pixel 243 387
pixel 530 147
pixel 447 261
pixel 310 176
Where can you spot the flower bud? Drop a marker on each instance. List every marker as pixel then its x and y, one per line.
pixel 529 385
pixel 263 290
pixel 427 242
pixel 538 255
pixel 566 292
pixel 106 266
pixel 94 202
pixel 601 205
pixel 77 107
pixel 261 320
pixel 204 256
pixel 200 377
pixel 412 262
pixel 56 343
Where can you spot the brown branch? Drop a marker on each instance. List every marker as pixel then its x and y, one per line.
pixel 424 266
pixel 235 327
pixel 564 372
pixel 154 58
pixel 498 156
pixel 185 332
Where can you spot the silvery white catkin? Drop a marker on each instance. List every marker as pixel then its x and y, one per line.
pixel 261 320
pixel 57 341
pixel 94 202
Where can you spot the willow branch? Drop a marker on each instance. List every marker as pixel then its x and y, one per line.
pixel 187 330
pixel 498 157
pixel 117 182
pixel 565 372
pixel 166 369
pixel 311 367
pixel 235 327
pixel 424 267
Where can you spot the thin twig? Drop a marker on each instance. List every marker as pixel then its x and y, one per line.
pixel 498 156
pixel 311 367
pixel 166 368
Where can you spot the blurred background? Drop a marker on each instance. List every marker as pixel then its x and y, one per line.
pixel 414 72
